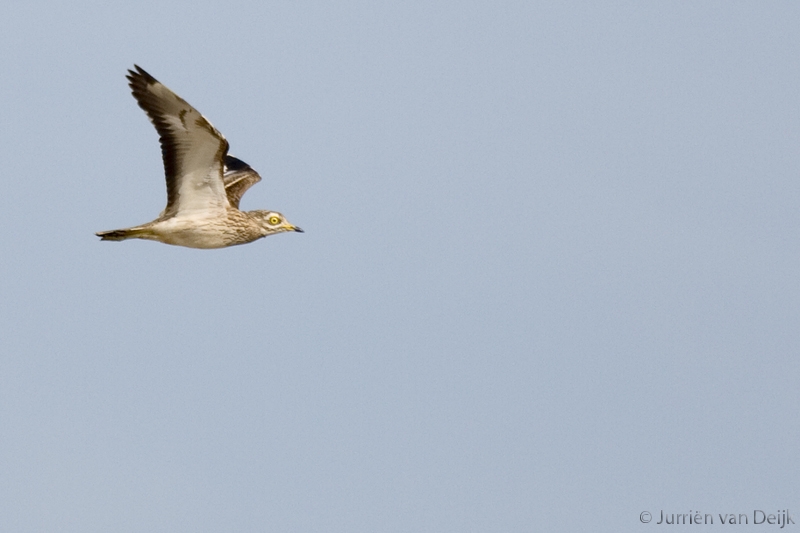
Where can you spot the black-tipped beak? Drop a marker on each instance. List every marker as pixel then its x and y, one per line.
pixel 298 230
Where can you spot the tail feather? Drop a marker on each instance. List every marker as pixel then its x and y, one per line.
pixel 120 234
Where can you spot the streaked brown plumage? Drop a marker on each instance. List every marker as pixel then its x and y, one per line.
pixel 204 183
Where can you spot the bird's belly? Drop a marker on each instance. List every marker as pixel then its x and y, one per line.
pixel 196 232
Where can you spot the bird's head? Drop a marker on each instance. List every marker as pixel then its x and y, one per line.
pixel 272 222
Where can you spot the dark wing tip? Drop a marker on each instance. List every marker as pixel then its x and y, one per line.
pixel 235 164
pixel 139 72
pixel 139 78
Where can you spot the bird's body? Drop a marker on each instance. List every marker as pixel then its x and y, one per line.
pixel 203 230
pixel 204 183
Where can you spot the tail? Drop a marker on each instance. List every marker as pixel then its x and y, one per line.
pixel 121 234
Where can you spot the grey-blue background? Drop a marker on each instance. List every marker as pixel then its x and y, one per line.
pixel 549 278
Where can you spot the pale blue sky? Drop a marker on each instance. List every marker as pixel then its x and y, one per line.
pixel 549 278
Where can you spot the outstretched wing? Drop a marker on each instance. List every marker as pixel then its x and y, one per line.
pixel 238 177
pixel 192 149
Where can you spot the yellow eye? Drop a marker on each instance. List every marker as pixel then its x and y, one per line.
pixel 274 221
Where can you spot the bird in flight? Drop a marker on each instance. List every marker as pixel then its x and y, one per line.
pixel 204 183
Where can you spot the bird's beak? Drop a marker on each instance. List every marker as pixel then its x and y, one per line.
pixel 298 230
